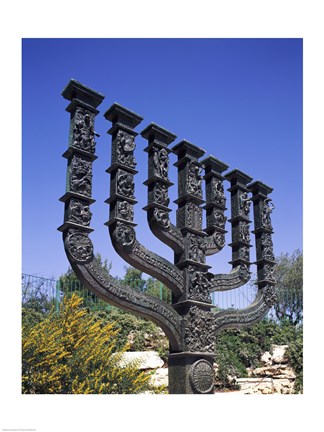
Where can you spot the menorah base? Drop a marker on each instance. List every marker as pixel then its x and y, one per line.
pixel 191 373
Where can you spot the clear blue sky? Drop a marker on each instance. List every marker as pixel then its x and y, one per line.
pixel 239 99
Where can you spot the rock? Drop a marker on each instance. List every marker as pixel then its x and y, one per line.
pixel 256 385
pixel 275 371
pixel 160 377
pixel 266 358
pixel 278 353
pixel 283 386
pixel 145 359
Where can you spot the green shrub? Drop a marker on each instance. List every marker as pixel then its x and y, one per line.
pixel 73 352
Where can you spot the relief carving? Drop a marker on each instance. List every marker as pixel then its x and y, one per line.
pixel 125 184
pixel 199 331
pixel 162 218
pixel 196 248
pixel 161 162
pixel 219 218
pixel 244 232
pixel 125 148
pixel 124 234
pixel 267 246
pixel 79 245
pixel 244 209
pixel 80 171
pixel 266 213
pixel 194 179
pixel 79 212
pixel 193 216
pixel 198 286
pixel 83 131
pixel 218 192
pixel 161 194
pixel 125 210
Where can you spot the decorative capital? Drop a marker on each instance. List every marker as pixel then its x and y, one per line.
pixel 185 149
pixel 79 94
pixel 213 166
pixel 154 132
pixel 122 116
pixel 238 178
pixel 259 188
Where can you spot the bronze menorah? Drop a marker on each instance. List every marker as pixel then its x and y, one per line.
pixel 191 322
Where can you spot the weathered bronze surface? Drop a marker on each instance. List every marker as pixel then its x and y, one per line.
pixel 190 322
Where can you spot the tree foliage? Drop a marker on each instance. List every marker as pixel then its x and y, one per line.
pixel 73 352
pixel 289 278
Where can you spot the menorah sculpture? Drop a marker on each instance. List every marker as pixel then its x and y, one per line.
pixel 191 322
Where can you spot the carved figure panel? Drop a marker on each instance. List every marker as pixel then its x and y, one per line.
pixel 194 180
pixel 125 184
pixel 125 210
pixel 244 232
pixel 125 147
pixel 80 171
pixel 244 208
pixel 193 215
pixel 161 194
pixel 199 331
pixel 198 285
pixel 267 209
pixel 219 219
pixel 218 195
pixel 162 218
pixel 267 246
pixel 124 234
pixel 161 162
pixel 79 212
pixel 83 130
pixel 196 248
pixel 79 245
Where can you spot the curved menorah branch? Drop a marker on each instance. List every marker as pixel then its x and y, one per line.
pixel 110 290
pixel 240 209
pixel 158 184
pixel 239 318
pixel 237 277
pixel 215 204
pixel 122 200
pixel 266 296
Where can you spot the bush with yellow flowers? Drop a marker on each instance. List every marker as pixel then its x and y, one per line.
pixel 73 352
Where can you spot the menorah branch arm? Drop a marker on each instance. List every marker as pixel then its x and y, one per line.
pixel 215 204
pixel 122 200
pixel 112 291
pixel 158 184
pixel 132 251
pixel 237 277
pixel 239 318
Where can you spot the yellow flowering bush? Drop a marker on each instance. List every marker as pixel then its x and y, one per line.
pixel 73 352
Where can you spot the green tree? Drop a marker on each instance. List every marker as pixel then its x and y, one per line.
pixel 158 289
pixel 134 278
pixel 289 278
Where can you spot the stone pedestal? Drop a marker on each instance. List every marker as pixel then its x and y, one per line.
pixel 191 373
